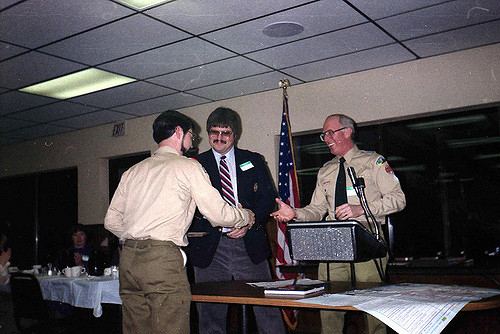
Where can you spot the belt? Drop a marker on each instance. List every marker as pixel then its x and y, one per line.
pixel 149 242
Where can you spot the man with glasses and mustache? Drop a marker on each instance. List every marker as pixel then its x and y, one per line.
pixel 241 176
pixel 152 209
pixel 383 194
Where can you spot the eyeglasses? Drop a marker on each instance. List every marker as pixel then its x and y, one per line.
pixel 223 134
pixel 193 135
pixel 329 133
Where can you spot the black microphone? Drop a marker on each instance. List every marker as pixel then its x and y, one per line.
pixel 352 176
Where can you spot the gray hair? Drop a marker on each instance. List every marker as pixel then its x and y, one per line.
pixel 346 121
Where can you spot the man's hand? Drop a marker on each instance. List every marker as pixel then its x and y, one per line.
pixel 252 217
pixel 285 212
pixel 238 232
pixel 5 257
pixel 78 259
pixel 346 211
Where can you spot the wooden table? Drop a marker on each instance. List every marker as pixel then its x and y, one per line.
pixel 238 292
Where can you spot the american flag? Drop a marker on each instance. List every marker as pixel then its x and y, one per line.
pixel 289 193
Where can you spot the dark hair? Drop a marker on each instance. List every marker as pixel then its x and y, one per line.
pixel 224 117
pixel 165 124
pixel 77 228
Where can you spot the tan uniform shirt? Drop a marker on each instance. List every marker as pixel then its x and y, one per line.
pixel 157 197
pixel 383 191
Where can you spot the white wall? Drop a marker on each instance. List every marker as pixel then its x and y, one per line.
pixel 458 80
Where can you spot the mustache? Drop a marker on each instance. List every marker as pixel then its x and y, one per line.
pixel 215 141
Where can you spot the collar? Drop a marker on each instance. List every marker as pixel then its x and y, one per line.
pixel 350 154
pixel 164 150
pixel 229 155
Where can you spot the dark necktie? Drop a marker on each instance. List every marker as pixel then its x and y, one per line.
pixel 340 186
pixel 225 178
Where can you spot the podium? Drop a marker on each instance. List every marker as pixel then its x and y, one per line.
pixel 333 241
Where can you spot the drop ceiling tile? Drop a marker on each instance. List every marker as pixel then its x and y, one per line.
pixel 450 15
pixel 35 23
pixel 170 58
pixel 33 67
pixel 9 50
pixel 241 87
pixel 206 15
pixel 9 124
pixel 224 70
pixel 160 104
pixel 7 3
pixel 355 62
pixel 37 131
pixel 15 101
pixel 324 46
pixel 53 111
pixel 316 18
pixel 92 119
pixel 459 39
pixel 121 38
pixel 379 9
pixel 124 94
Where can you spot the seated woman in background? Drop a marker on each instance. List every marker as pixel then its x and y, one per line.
pixel 79 253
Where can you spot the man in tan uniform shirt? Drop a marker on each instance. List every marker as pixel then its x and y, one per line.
pixel 383 194
pixel 152 210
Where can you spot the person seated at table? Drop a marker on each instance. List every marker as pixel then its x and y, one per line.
pixel 7 322
pixel 5 254
pixel 79 253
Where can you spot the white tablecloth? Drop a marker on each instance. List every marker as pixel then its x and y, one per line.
pixel 87 292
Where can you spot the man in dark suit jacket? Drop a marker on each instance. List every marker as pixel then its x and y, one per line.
pixel 240 254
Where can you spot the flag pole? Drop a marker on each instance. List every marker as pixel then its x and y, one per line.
pixel 284 84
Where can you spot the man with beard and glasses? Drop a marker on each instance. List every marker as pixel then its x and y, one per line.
pixel 224 254
pixel 152 210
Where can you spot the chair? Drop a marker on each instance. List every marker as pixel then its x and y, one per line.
pixel 30 309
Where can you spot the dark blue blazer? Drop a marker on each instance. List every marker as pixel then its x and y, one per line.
pixel 255 192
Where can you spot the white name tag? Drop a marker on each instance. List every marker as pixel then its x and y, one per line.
pixel 246 165
pixel 351 191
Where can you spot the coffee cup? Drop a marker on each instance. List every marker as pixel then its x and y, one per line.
pixel 75 271
pixel 67 271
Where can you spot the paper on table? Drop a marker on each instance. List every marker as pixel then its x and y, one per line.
pixel 409 308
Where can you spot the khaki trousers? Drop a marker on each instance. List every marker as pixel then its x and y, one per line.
pixel 154 289
pixel 332 322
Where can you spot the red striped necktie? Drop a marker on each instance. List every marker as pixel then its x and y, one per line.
pixel 225 178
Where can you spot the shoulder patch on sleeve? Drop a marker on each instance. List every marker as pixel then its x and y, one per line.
pixel 380 161
pixel 388 169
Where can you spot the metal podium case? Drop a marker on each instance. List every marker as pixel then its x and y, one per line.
pixel 333 241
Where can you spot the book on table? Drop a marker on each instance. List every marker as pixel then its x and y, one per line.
pixel 295 289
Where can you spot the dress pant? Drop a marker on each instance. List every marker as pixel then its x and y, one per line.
pixel 232 261
pixel 154 288
pixel 333 321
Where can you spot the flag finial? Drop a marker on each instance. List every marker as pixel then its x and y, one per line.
pixel 284 83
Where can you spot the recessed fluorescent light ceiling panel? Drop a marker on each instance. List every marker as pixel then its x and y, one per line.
pixel 76 84
pixel 141 4
pixel 447 122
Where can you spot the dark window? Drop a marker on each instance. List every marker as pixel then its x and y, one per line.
pixel 449 168
pixel 41 206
